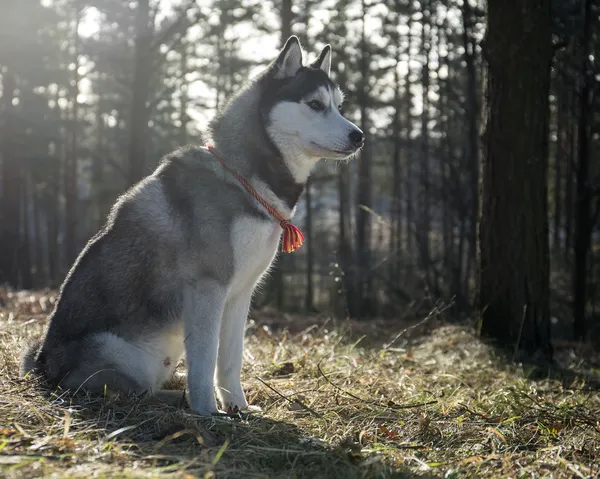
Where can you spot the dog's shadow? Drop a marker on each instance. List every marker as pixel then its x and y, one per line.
pixel 167 438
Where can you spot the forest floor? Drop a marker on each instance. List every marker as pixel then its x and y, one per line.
pixel 337 399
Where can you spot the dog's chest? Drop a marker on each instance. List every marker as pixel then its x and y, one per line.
pixel 255 244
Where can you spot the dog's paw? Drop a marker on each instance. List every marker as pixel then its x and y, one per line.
pixel 232 398
pixel 204 408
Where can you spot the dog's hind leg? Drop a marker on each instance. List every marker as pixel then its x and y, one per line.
pixel 105 362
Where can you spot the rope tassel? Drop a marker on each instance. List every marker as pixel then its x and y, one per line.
pixel 292 237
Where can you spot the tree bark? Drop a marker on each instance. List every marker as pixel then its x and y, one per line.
pixel 514 260
pixel 472 115
pixel 365 194
pixel 396 223
pixel 559 159
pixel 71 158
pixel 138 120
pixel 308 233
pixel 287 18
pixel 10 219
pixel 583 223
pixel 423 225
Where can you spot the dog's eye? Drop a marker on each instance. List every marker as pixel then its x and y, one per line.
pixel 316 105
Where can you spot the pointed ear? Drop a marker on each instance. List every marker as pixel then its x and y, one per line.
pixel 324 60
pixel 289 60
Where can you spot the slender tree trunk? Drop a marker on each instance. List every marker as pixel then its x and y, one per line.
pixel 514 263
pixel 71 159
pixel 138 120
pixel 308 233
pixel 569 193
pixel 472 116
pixel 287 18
pixel 583 224
pixel 10 219
pixel 396 227
pixel 446 149
pixel 363 219
pixel 98 167
pixel 559 159
pixel 25 262
pixel 53 199
pixel 346 252
pixel 184 98
pixel 42 276
pixel 408 173
pixel 424 219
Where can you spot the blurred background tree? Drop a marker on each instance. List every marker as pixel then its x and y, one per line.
pixel 94 92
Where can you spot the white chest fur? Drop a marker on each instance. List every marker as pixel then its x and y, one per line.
pixel 255 244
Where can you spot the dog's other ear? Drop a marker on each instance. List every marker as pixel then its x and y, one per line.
pixel 324 60
pixel 289 60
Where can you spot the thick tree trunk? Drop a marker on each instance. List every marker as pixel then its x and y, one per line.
pixel 583 223
pixel 138 120
pixel 10 218
pixel 514 262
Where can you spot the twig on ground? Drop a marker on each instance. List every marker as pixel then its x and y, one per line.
pixel 434 312
pixel 293 401
pixel 373 403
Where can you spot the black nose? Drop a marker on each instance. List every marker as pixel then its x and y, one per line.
pixel 356 137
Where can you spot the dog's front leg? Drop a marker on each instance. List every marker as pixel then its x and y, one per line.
pixel 202 312
pixel 231 347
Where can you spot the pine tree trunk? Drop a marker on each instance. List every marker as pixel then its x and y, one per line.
pixel 409 169
pixel 287 17
pixel 25 262
pixel 396 226
pixel 184 98
pixel 363 217
pixel 308 233
pixel 71 159
pixel 569 201
pixel 349 264
pixel 514 263
pixel 10 218
pixel 138 120
pixel 559 158
pixel 583 224
pixel 424 217
pixel 472 115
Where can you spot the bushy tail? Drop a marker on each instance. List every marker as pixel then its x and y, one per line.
pixel 29 359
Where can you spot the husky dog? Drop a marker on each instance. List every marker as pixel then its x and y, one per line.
pixel 175 266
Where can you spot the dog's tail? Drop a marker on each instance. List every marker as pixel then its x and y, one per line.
pixel 30 360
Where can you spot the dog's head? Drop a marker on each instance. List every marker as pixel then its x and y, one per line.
pixel 301 107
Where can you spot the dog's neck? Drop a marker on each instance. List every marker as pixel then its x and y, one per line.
pixel 277 175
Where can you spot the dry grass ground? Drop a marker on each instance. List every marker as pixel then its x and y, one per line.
pixel 336 403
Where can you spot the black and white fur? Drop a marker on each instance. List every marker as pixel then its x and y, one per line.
pixel 175 266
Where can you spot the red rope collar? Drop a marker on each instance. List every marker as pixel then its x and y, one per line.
pixel 292 236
